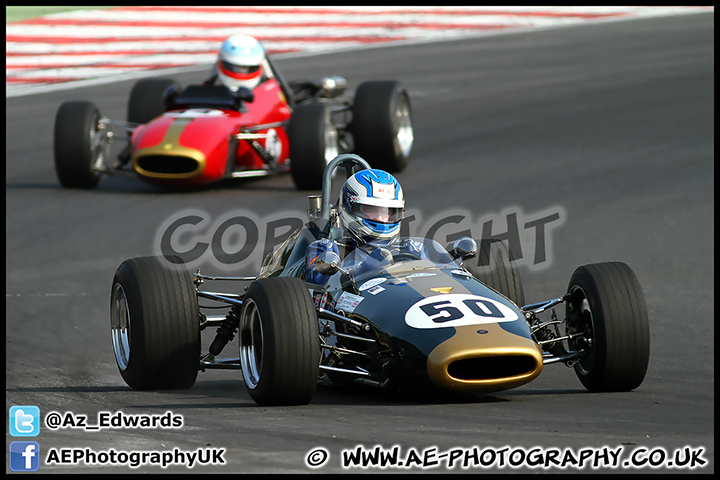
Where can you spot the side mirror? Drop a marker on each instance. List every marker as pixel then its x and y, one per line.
pixel 328 264
pixel 331 87
pixel 464 247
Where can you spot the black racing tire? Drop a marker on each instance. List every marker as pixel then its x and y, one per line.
pixel 155 324
pixel 607 304
pixel 148 98
pixel 313 144
pixel 382 124
pixel 78 144
pixel 279 342
pixel 493 265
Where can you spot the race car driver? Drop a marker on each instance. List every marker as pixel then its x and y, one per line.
pixel 371 208
pixel 243 62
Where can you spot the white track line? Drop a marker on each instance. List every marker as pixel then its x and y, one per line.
pixel 91 47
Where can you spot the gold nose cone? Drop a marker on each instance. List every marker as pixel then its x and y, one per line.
pixel 484 358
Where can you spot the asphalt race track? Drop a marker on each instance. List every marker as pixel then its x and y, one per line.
pixel 610 125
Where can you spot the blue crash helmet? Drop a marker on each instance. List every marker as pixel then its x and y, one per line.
pixel 371 205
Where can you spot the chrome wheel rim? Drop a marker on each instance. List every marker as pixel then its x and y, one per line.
pixel 579 310
pixel 98 140
pixel 120 326
pixel 405 136
pixel 251 344
pixel 331 142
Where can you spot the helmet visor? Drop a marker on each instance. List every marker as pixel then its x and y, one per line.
pixel 239 72
pixel 243 69
pixel 379 214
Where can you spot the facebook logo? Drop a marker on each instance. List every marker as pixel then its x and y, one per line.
pixel 24 456
pixel 24 421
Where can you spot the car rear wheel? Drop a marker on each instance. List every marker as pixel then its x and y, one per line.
pixel 148 98
pixel 154 324
pixel 78 144
pixel 279 342
pixel 382 125
pixel 607 308
pixel 493 265
pixel 313 144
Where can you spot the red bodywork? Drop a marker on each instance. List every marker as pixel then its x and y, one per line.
pixel 192 146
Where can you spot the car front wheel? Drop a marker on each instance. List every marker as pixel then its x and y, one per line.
pixel 79 144
pixel 382 124
pixel 607 317
pixel 313 144
pixel 279 342
pixel 154 324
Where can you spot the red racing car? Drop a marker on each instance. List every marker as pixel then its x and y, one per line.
pixel 206 133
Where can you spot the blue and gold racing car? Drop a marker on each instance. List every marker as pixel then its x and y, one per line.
pixel 453 319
